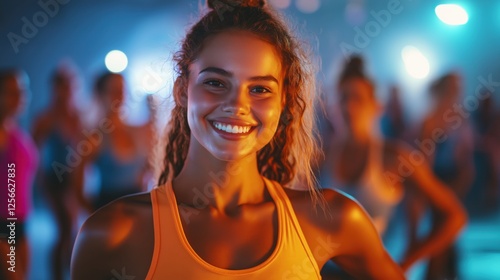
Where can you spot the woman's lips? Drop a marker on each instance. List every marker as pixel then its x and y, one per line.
pixel 231 131
pixel 234 129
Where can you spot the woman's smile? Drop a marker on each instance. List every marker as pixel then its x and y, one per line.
pixel 234 129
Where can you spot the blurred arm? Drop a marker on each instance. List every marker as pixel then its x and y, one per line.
pixel 364 255
pixel 446 203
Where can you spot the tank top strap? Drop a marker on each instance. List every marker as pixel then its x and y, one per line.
pixel 157 208
pixel 290 224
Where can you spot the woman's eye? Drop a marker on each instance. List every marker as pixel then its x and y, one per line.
pixel 214 83
pixel 260 90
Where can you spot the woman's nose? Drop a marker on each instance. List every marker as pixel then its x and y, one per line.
pixel 237 102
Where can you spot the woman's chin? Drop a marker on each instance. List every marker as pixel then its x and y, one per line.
pixel 230 156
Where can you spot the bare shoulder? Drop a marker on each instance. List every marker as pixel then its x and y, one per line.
pixel 350 217
pixel 332 206
pixel 131 207
pixel 110 239
pixel 334 217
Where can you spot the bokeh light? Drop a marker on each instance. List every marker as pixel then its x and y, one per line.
pixel 280 4
pixel 451 14
pixel 307 6
pixel 116 61
pixel 415 62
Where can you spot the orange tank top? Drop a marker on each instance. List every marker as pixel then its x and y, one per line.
pixel 174 258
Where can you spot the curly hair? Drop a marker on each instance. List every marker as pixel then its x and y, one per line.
pixel 287 158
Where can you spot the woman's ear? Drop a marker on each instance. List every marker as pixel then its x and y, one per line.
pixel 283 100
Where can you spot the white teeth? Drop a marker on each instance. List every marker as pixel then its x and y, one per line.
pixel 232 128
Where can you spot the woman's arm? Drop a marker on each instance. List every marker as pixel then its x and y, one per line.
pixel 445 202
pixel 79 181
pixel 366 257
pixel 360 252
pixel 41 128
pixel 79 172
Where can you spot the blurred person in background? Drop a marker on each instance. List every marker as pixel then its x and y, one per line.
pixel 451 158
pixel 393 120
pixel 363 164
pixel 485 193
pixel 57 132
pixel 495 149
pixel 120 151
pixel 18 163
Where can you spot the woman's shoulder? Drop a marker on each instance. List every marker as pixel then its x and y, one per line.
pixel 133 206
pixel 111 238
pixel 335 217
pixel 330 211
pixel 126 212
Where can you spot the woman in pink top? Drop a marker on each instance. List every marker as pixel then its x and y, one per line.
pixel 240 136
pixel 18 162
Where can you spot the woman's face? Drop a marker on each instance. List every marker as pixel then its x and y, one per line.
pixel 357 104
pixel 451 92
pixel 63 90
pixel 12 97
pixel 234 97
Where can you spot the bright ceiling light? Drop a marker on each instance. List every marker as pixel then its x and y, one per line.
pixel 116 61
pixel 415 62
pixel 452 14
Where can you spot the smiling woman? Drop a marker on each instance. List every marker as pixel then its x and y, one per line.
pixel 235 83
pixel 241 136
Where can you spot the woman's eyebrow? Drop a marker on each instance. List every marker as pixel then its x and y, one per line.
pixel 225 73
pixel 269 78
pixel 217 70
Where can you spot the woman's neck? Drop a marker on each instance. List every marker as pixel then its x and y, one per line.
pixel 206 181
